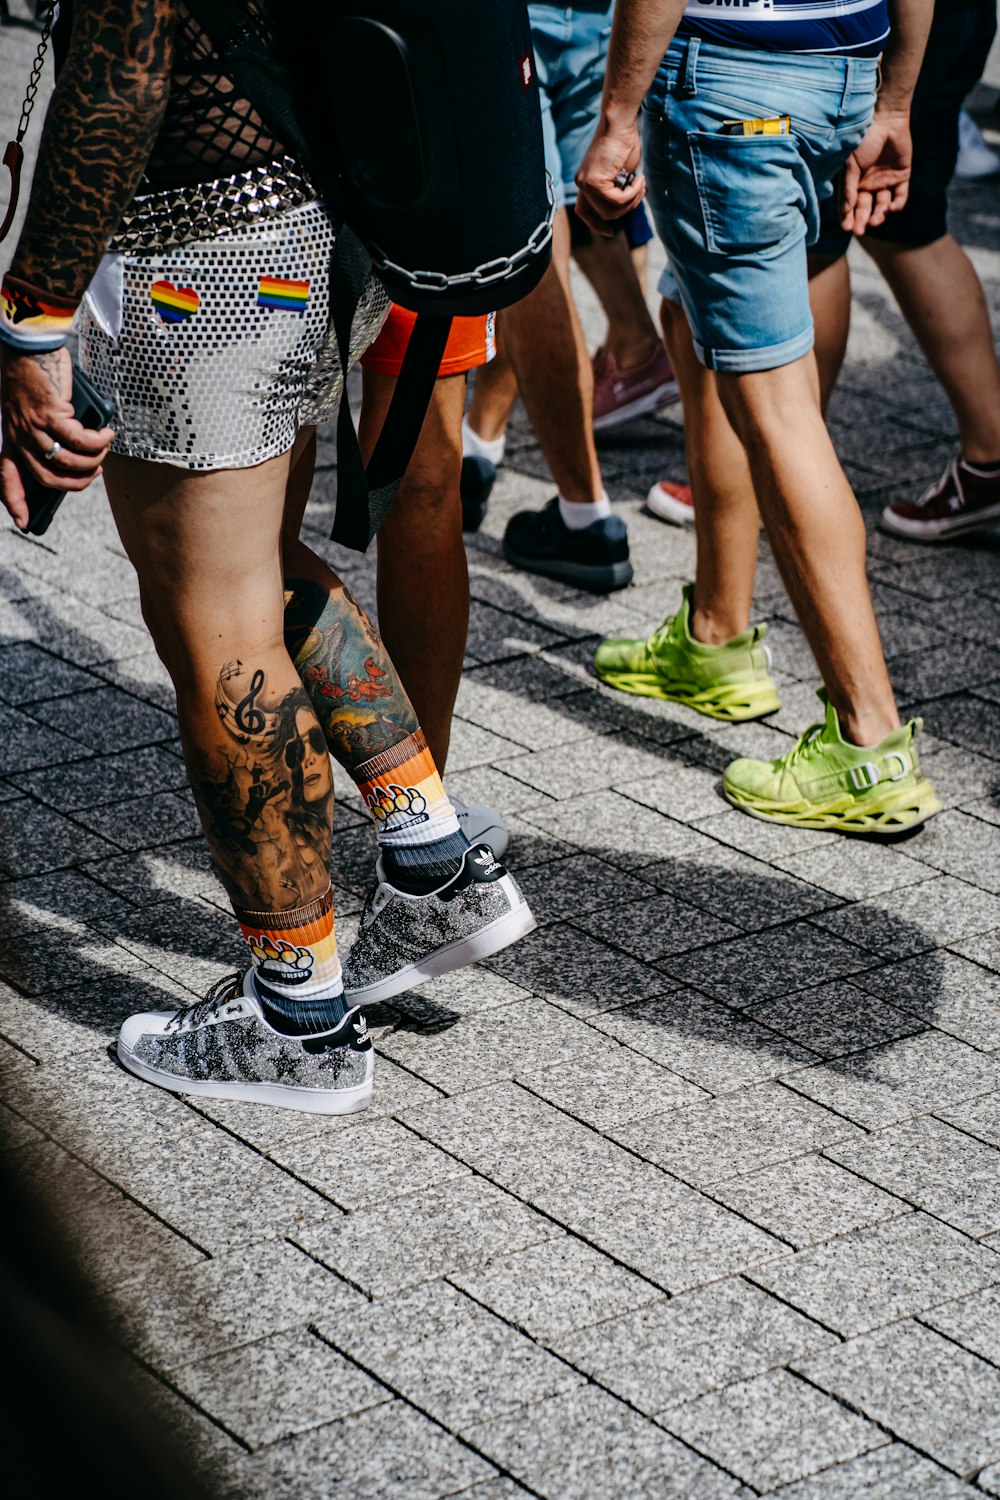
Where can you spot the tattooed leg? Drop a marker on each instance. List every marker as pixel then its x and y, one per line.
pixel 369 724
pixel 423 574
pixel 206 548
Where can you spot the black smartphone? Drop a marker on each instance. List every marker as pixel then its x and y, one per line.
pixel 91 410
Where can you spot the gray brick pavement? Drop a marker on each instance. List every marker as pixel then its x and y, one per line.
pixel 694 1193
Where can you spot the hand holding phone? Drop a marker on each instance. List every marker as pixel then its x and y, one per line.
pixel 45 447
pixel 92 411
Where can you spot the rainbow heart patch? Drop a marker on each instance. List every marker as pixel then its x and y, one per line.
pixel 175 304
pixel 276 291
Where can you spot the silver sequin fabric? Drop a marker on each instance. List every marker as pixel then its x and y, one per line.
pixel 396 934
pixel 225 347
pixel 244 1051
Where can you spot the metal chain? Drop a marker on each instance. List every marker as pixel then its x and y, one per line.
pixel 36 72
pixel 491 271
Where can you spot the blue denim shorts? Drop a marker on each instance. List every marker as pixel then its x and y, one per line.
pixel 571 48
pixel 737 213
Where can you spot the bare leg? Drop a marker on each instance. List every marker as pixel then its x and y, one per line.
pixel 607 265
pixel 830 300
pixel 494 391
pixel 423 573
pixel 206 548
pixel 549 356
pixel 817 536
pixel 941 298
pixel 640 264
pixel 727 523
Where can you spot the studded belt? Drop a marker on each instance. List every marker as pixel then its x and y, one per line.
pixel 174 216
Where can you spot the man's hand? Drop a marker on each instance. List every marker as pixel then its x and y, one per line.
pixel 35 392
pixel 609 153
pixel 877 174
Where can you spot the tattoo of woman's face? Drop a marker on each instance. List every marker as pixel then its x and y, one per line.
pixel 267 797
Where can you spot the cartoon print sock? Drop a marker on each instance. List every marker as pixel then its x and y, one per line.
pixel 416 826
pixel 296 968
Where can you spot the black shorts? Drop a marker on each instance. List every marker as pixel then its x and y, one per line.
pixel 959 44
pixel 634 225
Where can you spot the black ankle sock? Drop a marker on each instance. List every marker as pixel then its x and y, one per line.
pixel 300 1017
pixel 424 867
pixel 992 468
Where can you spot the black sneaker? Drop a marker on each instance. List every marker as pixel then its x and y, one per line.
pixel 478 475
pixel 595 558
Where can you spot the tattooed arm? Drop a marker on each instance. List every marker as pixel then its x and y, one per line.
pixel 99 131
pixel 103 119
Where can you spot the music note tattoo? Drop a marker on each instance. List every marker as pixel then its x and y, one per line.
pixel 249 718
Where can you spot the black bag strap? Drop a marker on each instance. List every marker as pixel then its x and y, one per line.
pixel 364 496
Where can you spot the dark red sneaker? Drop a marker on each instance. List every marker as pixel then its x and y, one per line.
pixel 961 500
pixel 620 395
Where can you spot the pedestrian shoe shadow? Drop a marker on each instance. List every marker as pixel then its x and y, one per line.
pixel 726 976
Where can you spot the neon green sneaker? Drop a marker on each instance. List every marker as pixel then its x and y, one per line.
pixel 823 782
pixel 731 682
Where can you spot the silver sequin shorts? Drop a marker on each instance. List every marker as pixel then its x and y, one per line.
pixel 214 353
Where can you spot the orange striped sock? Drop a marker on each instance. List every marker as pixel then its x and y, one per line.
pixel 294 953
pixel 415 824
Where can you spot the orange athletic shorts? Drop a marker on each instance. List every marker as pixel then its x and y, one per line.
pixel 472 342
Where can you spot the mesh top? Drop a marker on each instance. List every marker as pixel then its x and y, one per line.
pixel 208 131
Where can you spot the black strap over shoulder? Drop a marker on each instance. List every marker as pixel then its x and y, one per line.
pixel 364 496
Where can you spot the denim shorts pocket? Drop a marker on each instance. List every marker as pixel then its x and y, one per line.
pixel 755 190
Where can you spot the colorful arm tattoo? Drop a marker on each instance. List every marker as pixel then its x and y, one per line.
pixel 355 690
pixel 265 794
pixel 99 131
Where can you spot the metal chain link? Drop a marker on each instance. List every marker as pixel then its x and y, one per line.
pixel 36 72
pixel 500 269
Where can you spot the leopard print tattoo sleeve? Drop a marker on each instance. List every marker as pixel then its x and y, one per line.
pixel 99 130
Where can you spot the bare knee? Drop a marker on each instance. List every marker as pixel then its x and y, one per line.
pixel 773 405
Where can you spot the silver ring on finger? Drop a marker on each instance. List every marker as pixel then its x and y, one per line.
pixel 48 457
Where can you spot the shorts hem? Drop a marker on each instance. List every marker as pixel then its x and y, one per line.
pixel 208 464
pixel 456 366
pixel 748 361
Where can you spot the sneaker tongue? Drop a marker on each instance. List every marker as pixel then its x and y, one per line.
pixel 831 724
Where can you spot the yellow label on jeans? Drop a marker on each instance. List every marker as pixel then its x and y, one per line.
pixel 781 125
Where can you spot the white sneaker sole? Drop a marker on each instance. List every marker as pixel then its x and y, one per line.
pixel 663 395
pixel 309 1101
pixel 933 531
pixel 667 508
pixel 468 950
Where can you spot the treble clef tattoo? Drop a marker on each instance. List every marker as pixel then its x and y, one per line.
pixel 248 716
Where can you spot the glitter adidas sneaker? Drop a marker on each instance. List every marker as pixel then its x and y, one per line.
pixel 222 1048
pixel 404 939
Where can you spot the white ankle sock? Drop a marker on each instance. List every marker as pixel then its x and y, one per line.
pixel 474 446
pixel 578 515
